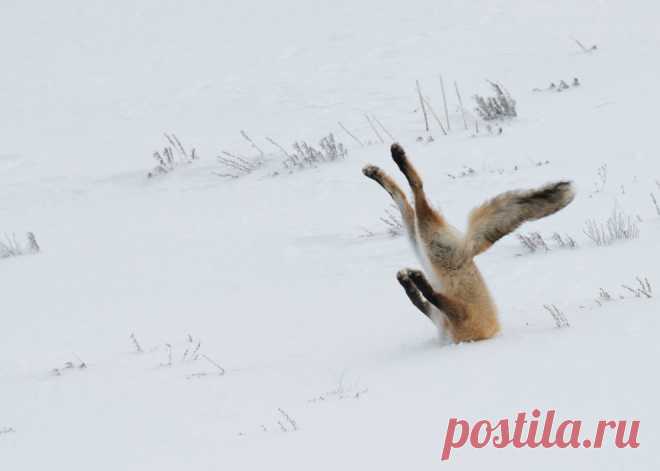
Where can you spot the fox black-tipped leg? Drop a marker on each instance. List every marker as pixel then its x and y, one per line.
pixel 420 281
pixel 455 310
pixel 401 160
pixel 371 171
pixel 399 156
pixel 377 175
pixel 413 293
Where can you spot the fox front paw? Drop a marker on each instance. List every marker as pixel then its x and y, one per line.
pixel 416 276
pixel 403 276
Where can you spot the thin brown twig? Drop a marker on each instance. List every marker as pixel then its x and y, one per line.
pixel 272 141
pixel 444 101
pixel 247 138
pixel 581 45
pixel 383 128
pixel 373 128
pixel 435 116
pixel 421 101
pixel 350 133
pixel 221 370
pixel 460 102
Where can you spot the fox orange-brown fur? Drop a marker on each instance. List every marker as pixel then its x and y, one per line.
pixel 464 306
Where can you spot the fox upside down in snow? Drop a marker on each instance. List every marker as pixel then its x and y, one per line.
pixel 464 307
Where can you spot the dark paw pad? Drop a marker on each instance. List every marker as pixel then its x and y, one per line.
pixel 398 155
pixel 402 276
pixel 417 277
pixel 371 171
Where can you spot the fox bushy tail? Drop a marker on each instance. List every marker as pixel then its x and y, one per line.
pixel 503 214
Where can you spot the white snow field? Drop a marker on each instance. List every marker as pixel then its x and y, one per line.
pixel 273 332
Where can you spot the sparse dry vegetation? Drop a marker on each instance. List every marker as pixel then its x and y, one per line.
pixel 557 315
pixel 655 204
pixel 171 156
pixel 599 185
pixel 307 156
pixel 468 171
pixel 563 85
pixel 286 423
pixel 11 247
pixel 584 48
pixel 235 166
pixel 342 391
pixel 498 107
pixel 69 365
pixel 392 222
pixel 534 242
pixel 187 353
pixel 643 289
pixel 618 226
pixel 302 156
pixel 136 344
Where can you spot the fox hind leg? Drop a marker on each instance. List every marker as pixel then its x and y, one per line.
pixel 438 238
pixel 399 197
pixel 401 160
pixel 426 215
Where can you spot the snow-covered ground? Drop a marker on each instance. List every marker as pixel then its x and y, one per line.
pixel 286 284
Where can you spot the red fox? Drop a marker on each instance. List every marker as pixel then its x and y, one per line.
pixel 464 307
